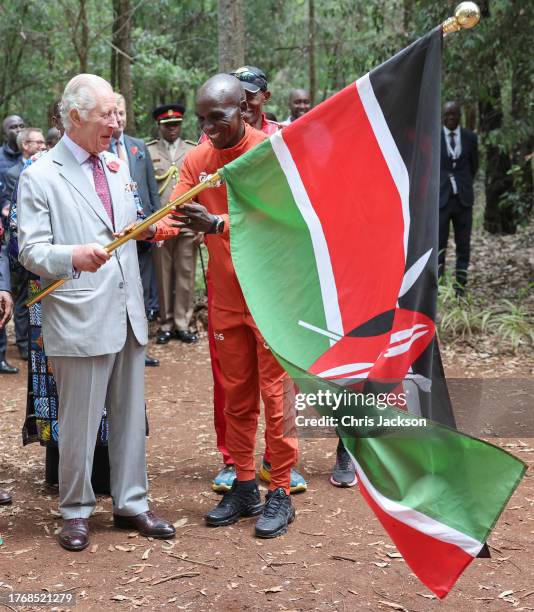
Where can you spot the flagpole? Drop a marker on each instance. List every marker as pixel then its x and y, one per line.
pixel 466 16
pixel 210 181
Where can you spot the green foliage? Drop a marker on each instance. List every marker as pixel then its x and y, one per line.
pixel 517 203
pixel 462 318
pixel 515 325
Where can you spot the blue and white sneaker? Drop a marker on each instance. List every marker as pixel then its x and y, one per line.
pixel 297 484
pixel 224 480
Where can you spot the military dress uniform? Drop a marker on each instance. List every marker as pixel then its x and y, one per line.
pixel 175 260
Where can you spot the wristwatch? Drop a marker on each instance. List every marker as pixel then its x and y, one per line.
pixel 217 226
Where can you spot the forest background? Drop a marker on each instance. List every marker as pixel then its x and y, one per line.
pixel 158 51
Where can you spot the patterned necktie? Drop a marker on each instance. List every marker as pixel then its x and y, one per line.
pixel 101 185
pixel 453 143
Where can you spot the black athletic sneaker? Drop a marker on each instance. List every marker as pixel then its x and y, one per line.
pixel 240 500
pixel 344 472
pixel 276 516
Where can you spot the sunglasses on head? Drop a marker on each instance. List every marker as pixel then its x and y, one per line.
pixel 249 77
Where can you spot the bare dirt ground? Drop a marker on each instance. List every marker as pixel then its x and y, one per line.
pixel 227 569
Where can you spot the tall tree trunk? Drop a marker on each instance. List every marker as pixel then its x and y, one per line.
pixel 498 182
pixel 114 43
pixel 124 65
pixel 311 50
pixel 231 35
pixel 500 215
pixel 522 153
pixel 81 41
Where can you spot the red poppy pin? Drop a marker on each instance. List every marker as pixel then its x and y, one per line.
pixel 113 166
pixel 134 150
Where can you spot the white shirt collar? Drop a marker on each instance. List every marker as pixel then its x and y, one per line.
pixel 81 155
pixel 456 132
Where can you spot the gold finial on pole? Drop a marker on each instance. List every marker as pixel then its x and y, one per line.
pixel 466 15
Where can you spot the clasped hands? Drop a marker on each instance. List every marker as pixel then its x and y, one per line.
pixel 6 308
pixel 190 216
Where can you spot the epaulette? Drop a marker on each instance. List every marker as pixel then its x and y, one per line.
pixel 151 142
pixel 191 142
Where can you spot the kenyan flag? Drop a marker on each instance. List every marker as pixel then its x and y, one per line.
pixel 334 232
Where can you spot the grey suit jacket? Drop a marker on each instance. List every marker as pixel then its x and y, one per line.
pixel 57 209
pixel 142 172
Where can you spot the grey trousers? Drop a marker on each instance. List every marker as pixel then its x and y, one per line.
pixel 85 385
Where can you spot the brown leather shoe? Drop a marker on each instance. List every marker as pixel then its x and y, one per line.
pixel 148 525
pixel 5 497
pixel 75 534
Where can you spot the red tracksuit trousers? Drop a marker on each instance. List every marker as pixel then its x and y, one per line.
pixel 248 369
pixel 219 420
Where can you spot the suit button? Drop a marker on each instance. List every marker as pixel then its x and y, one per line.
pixel 121 285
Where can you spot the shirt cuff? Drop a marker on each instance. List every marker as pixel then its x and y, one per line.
pixel 226 230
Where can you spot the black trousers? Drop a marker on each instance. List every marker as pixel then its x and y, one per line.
pixel 21 315
pixel 100 475
pixel 3 344
pixel 462 223
pixel 146 269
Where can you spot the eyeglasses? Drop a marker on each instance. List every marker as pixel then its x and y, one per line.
pixel 41 142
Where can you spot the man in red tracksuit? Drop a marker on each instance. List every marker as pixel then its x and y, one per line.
pixel 254 82
pixel 247 365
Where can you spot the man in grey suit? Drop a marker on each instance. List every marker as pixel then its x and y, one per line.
pixel 94 326
pixel 6 310
pixel 134 152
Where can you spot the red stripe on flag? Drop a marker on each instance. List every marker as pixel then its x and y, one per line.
pixel 353 193
pixel 436 563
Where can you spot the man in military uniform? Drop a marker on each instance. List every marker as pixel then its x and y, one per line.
pixel 175 260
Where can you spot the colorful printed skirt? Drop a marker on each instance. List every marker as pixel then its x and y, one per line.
pixel 41 423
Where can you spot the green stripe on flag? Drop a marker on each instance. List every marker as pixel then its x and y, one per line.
pixel 449 476
pixel 263 217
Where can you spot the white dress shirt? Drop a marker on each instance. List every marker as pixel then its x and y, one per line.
pixel 455 154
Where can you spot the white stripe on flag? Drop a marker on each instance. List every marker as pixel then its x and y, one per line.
pixel 320 248
pixel 423 523
pixel 389 149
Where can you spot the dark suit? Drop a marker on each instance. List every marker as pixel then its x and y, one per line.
pixel 458 207
pixel 142 172
pixel 8 158
pixel 10 179
pixel 5 285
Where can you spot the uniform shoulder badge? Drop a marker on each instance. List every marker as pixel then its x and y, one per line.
pixel 151 142
pixel 191 142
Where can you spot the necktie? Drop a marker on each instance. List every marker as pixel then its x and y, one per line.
pixel 120 152
pixel 101 185
pixel 453 143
